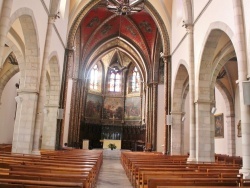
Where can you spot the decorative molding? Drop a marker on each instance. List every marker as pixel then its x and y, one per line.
pixel 203 101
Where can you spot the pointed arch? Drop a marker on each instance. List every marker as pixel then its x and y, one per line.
pixel 180 91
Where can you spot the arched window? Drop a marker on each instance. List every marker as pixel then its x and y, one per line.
pixel 115 80
pixel 135 82
pixel 94 75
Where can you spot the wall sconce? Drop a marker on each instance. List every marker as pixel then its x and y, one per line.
pixel 183 118
pixel 213 110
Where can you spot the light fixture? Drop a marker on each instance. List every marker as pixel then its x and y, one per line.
pixel 125 7
pixel 183 118
pixel 213 110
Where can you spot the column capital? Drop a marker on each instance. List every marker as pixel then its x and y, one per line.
pixel 152 83
pixel 189 28
pixel 53 17
pixel 166 58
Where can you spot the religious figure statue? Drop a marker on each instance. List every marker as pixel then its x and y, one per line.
pixel 239 129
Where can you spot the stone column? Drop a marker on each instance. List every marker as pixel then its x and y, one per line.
pixel 149 113
pixel 167 91
pixel 176 133
pixel 5 21
pixel 42 87
pixel 25 121
pixel 49 127
pixel 67 75
pixel 204 131
pixel 190 38
pixel 242 76
pixel 154 115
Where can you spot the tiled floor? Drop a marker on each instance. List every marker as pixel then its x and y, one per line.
pixel 112 175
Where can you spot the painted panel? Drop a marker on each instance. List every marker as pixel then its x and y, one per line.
pixel 93 106
pixel 133 108
pixel 113 108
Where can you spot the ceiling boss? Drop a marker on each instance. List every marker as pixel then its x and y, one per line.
pixel 125 7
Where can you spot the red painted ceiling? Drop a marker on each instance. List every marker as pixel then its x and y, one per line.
pixel 100 25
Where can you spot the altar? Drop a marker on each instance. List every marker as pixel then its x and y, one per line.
pixel 106 142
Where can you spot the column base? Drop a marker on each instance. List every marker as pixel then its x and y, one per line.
pixel 245 172
pixel 36 152
pixel 191 160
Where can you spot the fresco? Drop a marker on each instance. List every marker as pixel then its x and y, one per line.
pixel 113 108
pixel 133 108
pixel 93 106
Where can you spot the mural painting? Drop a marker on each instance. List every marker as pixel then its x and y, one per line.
pixel 93 106
pixel 133 108
pixel 113 108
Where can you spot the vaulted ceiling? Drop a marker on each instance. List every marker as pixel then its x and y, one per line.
pixel 101 25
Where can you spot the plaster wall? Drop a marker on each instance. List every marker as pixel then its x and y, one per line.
pixel 220 143
pixel 178 32
pixel 7 110
pixel 198 7
pixel 246 12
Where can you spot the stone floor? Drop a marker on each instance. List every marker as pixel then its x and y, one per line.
pixel 112 175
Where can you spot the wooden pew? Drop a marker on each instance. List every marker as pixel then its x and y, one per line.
pixel 154 182
pixel 15 183
pixel 76 167
pixel 166 174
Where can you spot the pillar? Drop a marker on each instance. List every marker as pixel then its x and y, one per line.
pixel 242 76
pixel 25 121
pixel 4 26
pixel 49 127
pixel 167 91
pixel 190 38
pixel 204 131
pixel 176 147
pixel 42 88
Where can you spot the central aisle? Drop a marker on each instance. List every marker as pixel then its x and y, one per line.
pixel 112 175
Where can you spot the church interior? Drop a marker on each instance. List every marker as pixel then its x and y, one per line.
pixel 157 80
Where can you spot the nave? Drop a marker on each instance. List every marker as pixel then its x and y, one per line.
pixel 77 168
pixel 112 175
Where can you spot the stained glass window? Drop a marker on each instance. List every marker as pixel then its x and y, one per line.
pixel 135 82
pixel 115 80
pixel 94 78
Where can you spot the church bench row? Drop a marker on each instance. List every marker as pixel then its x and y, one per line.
pixel 15 183
pixel 145 175
pixel 83 179
pixel 157 163
pixel 176 171
pixel 134 171
pixel 155 182
pixel 221 158
pixel 160 164
pixel 73 167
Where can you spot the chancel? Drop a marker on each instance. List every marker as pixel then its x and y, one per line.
pixel 128 85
